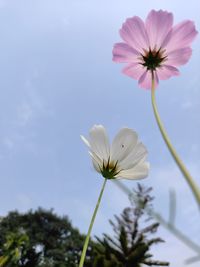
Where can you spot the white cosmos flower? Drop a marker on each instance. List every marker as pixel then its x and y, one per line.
pixel 124 158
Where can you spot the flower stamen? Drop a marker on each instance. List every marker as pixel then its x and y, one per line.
pixel 153 59
pixel 110 169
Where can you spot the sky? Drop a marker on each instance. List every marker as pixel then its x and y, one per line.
pixel 57 80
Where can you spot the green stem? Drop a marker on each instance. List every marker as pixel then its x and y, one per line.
pixel 90 227
pixel 195 189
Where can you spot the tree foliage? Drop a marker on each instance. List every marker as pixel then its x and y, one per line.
pixel 43 239
pixel 39 238
pixel 133 239
pixel 14 248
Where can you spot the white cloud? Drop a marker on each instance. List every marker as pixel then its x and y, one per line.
pixel 8 142
pixel 187 209
pixel 24 113
pixel 187 105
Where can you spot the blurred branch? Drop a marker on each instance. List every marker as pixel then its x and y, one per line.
pixel 170 226
pixel 182 237
pixel 172 207
pixel 192 260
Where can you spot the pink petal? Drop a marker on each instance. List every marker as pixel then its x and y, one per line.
pixel 165 72
pixel 182 36
pixel 124 53
pixel 179 57
pixel 134 70
pixel 133 33
pixel 166 39
pixel 158 24
pixel 145 80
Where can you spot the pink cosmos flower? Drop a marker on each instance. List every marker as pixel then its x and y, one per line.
pixel 154 47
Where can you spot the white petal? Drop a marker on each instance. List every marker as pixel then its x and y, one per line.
pixel 138 154
pixel 85 141
pixel 99 143
pixel 97 163
pixel 123 144
pixel 140 171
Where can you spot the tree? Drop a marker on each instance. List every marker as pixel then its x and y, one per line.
pixel 132 242
pixel 14 249
pixel 51 240
pixel 43 239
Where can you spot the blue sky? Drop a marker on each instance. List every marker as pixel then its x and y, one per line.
pixel 57 80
